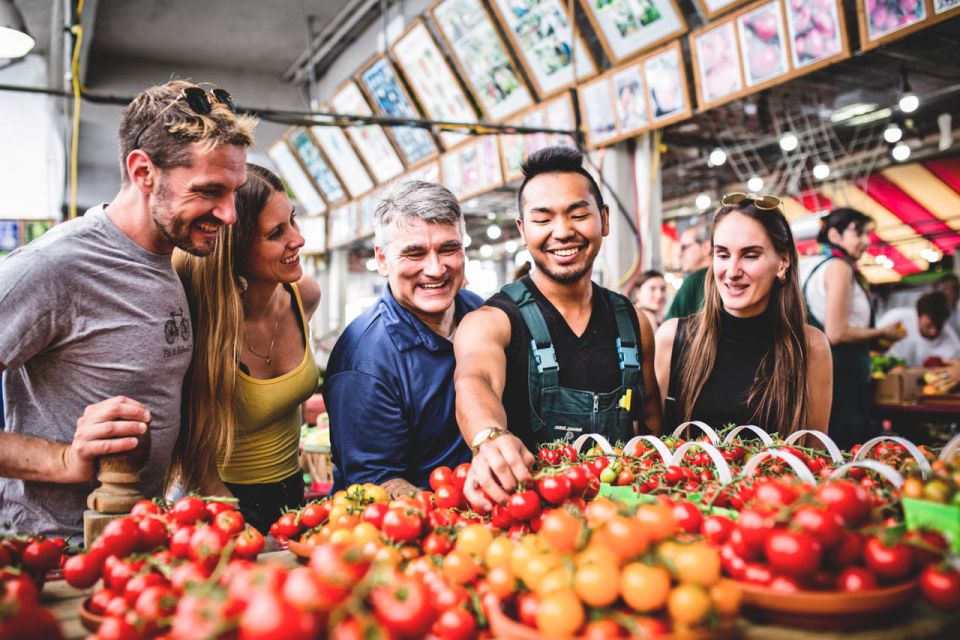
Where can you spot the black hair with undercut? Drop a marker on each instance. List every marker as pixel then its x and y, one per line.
pixel 558 159
pixel 934 305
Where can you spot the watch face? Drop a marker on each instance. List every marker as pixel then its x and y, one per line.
pixel 478 439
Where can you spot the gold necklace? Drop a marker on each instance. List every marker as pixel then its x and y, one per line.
pixel 272 341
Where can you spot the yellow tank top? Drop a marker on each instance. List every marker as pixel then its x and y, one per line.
pixel 267 441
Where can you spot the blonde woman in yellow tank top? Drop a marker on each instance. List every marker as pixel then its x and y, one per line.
pixel 252 365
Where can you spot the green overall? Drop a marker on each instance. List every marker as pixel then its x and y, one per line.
pixel 560 413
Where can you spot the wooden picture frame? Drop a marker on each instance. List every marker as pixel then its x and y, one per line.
pixel 385 91
pixel 481 57
pixel 626 28
pixel 597 106
pixel 537 30
pixel 344 222
pixel 472 167
pixel 559 114
pixel 316 166
pixel 715 8
pixel 630 101
pixel 762 37
pixel 296 178
pixel 366 207
pixel 10 234
pixel 893 13
pixel 372 141
pixel 668 95
pixel 434 84
pixel 815 44
pixel 512 155
pixel 350 169
pixel 717 66
pixel 426 171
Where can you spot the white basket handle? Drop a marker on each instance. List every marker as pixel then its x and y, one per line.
pixel 662 449
pixel 600 440
pixel 892 475
pixel 952 448
pixel 925 470
pixel 795 463
pixel 757 431
pixel 707 429
pixel 835 454
pixel 723 469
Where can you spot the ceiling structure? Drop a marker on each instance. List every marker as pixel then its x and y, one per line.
pixel 261 51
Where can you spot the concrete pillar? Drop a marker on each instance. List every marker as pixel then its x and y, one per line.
pixel 649 198
pixel 620 250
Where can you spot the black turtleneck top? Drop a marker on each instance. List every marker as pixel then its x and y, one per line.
pixel 743 344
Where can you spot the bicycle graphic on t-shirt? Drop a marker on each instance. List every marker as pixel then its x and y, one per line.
pixel 171 329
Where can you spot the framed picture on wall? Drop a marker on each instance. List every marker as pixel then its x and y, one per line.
pixel 713 8
pixel 387 94
pixel 596 102
pixel 630 98
pixel 763 42
pixel 542 35
pixel 943 6
pixel 473 167
pixel 816 31
pixel 343 224
pixel 350 168
pixel 627 27
pixel 33 229
pixel 433 82
pixel 370 140
pixel 299 183
pixel 512 148
pixel 428 172
pixel 559 115
pixel 316 166
pixel 536 119
pixel 482 57
pixel 667 85
pixel 884 17
pixel 716 62
pixel 9 235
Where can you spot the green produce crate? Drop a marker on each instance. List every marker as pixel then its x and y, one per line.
pixel 627 495
pixel 945 518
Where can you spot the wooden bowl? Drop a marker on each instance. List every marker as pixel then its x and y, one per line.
pixel 90 621
pixel 504 627
pixel 300 549
pixel 826 610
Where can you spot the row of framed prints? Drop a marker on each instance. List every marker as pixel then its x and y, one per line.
pixel 884 20
pixel 15 233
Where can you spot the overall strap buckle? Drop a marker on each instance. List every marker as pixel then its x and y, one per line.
pixel 545 357
pixel 628 356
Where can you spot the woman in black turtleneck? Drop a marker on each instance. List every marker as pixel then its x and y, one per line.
pixel 749 357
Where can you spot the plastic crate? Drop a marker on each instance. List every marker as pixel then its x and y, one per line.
pixel 945 518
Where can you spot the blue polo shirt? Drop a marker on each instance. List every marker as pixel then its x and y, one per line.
pixel 389 394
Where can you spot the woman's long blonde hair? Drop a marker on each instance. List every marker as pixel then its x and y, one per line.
pixel 213 287
pixel 778 397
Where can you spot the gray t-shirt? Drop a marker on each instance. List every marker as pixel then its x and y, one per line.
pixel 87 314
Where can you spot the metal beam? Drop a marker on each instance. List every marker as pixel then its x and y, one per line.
pixel 327 40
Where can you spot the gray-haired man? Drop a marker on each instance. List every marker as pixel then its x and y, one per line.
pixel 695 254
pixel 389 381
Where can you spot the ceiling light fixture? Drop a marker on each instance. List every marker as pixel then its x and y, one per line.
pixel 15 41
pixel 755 184
pixel 909 101
pixel 900 152
pixel 510 246
pixel 931 255
pixel 789 141
pixel 494 232
pixel 486 251
pixel 892 133
pixel 703 202
pixel 467 241
pixel 821 171
pixel 371 264
pixel 491 216
pixel 717 157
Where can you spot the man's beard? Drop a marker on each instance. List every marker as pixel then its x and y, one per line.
pixel 171 226
pixel 565 277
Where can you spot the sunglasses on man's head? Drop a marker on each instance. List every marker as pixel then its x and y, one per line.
pixel 765 203
pixel 199 100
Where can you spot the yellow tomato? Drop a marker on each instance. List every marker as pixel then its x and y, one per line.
pixel 560 614
pixel 375 493
pixel 498 552
pixel 726 596
pixel 501 582
pixel 597 584
pixel 624 535
pixel 460 567
pixel 366 532
pixel 562 530
pixel 537 566
pixel 697 563
pixel 643 587
pixel 597 553
pixel 474 539
pixel 657 520
pixel 388 554
pixel 559 578
pixel 599 511
pixel 689 605
pixel 341 536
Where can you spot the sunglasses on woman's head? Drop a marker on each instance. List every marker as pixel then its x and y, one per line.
pixel 765 203
pixel 199 100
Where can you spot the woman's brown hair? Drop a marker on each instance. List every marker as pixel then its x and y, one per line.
pixel 778 397
pixel 214 287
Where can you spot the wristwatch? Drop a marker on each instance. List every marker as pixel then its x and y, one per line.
pixel 483 435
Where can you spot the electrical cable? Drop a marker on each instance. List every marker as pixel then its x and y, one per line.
pixel 77 32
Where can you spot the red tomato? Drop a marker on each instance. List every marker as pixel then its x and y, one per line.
pixel 733 564
pixel 568 453
pixel 848 499
pixel 144 508
pixel 268 615
pixel 460 475
pixel 757 574
pixel 401 525
pixel 673 475
pixel 206 544
pixel 848 552
pixel 856 579
pixel 824 525
pixel 785 584
pixel 403 607
pixel 374 512
pixel 941 587
pixel 716 529
pixel 597 465
pixel 180 541
pixel 549 457
pixel 116 628
pixel 117 573
pixel 138 583
pixel 527 605
pixel 688 516
pixel 229 522
pixel 188 509
pixel 312 515
pixel 287 525
pixel 440 476
pixel 500 517
pixel 82 571
pixel 156 602
pixel 554 489
pixel 447 496
pixel 153 533
pixel 249 543
pixel 216 507
pixel 792 553
pixel 775 493
pixel 120 537
pixel 436 544
pixel 928 546
pixel 40 556
pixel 455 624
pixel 755 526
pixel 524 505
pixel 888 563
pixel 578 480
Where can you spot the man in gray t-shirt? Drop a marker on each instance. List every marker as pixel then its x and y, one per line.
pixel 94 326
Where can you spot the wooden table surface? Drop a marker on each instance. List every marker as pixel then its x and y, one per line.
pixel 921 621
